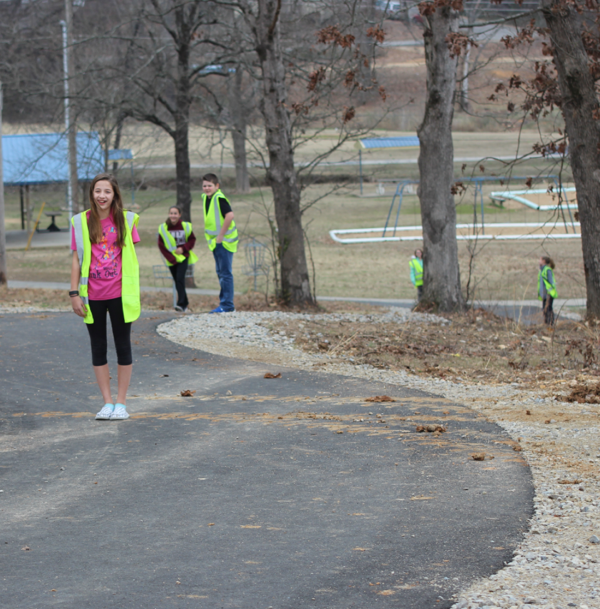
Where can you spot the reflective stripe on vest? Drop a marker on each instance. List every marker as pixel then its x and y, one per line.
pixel 171 244
pixel 130 272
pixel 417 265
pixel 550 287
pixel 213 223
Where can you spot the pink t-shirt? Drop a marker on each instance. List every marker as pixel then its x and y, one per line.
pixel 105 266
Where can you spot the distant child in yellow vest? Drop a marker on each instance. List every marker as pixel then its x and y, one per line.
pixel 176 240
pixel 105 278
pixel 547 288
pixel 416 272
pixel 222 237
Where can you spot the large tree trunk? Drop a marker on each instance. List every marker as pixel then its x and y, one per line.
pixel 182 119
pixel 238 130
pixel 182 168
pixel 579 104
pixel 436 168
pixel 295 284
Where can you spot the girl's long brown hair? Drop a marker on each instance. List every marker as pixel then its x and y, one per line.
pixel 94 223
pixel 549 262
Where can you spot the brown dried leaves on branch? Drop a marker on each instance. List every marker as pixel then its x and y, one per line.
pixel 376 33
pixel 332 34
pixel 428 8
pixel 458 42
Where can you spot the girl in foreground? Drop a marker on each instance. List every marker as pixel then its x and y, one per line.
pixel 105 279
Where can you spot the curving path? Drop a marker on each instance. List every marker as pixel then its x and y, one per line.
pixel 252 494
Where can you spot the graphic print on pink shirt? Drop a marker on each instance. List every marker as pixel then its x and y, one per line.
pixel 107 255
pixel 105 266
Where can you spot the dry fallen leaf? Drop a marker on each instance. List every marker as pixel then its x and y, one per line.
pixel 481 457
pixel 386 592
pixel 339 431
pixel 430 428
pixel 570 481
pixel 528 412
pixel 270 375
pixel 211 524
pixel 517 448
pixel 380 398
pixel 186 393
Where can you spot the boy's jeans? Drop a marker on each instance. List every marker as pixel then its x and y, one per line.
pixel 223 262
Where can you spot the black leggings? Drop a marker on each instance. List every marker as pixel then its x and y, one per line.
pixel 121 332
pixel 178 271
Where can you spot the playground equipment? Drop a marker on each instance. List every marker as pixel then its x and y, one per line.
pixel 374 143
pixel 476 230
pixel 255 258
pixel 516 195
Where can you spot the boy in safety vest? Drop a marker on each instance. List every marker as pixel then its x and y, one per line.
pixel 222 237
pixel 547 288
pixel 416 272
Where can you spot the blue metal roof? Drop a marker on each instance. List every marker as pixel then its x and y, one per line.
pixel 120 154
pixel 406 141
pixel 42 158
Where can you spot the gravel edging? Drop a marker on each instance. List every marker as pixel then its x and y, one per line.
pixel 557 565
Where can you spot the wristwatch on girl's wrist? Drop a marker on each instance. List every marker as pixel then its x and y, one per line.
pixel 74 293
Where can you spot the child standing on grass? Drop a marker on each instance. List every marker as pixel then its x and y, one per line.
pixel 175 242
pixel 547 288
pixel 416 272
pixel 105 279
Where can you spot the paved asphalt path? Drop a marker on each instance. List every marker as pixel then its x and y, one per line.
pixel 245 495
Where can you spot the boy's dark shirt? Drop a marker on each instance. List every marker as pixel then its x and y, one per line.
pixel 223 204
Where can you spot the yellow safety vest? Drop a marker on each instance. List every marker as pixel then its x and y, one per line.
pixel 213 221
pixel 550 287
pixel 130 270
pixel 417 266
pixel 171 244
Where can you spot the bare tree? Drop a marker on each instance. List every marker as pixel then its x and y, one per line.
pixel 569 80
pixel 436 162
pixel 575 46
pixel 170 46
pixel 281 174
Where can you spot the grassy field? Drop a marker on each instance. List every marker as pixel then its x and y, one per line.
pixel 500 270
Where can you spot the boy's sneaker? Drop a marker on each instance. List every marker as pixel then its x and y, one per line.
pixel 179 309
pixel 219 310
pixel 105 413
pixel 119 413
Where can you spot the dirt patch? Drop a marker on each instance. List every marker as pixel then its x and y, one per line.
pixel 478 347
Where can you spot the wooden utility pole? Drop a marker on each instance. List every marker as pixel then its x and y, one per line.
pixel 70 125
pixel 3 272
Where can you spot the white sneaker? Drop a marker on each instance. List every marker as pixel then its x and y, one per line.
pixel 106 412
pixel 119 412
